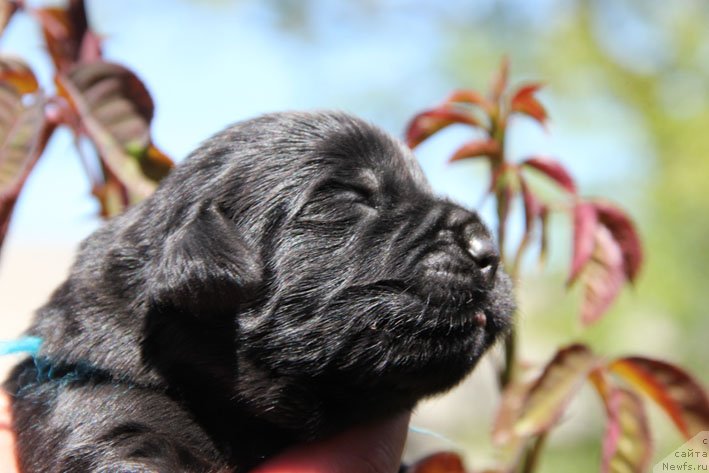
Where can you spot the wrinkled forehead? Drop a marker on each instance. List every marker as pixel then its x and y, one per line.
pixel 370 156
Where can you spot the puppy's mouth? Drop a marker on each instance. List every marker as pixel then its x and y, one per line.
pixel 452 309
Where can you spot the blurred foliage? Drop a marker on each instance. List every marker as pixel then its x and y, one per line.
pixel 652 60
pixel 607 254
pixel 101 102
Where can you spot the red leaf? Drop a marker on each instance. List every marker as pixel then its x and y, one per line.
pixel 64 30
pixel 625 234
pixel 441 462
pixel 532 206
pixel 627 445
pixel 525 91
pixel 585 223
pixel 429 122
pixel 477 148
pixel 524 102
pixel 561 380
pixel 18 74
pixel 90 48
pixel 603 276
pixel 675 391
pixel 469 97
pixel 7 9
pixel 553 170
pixel 499 83
pixel 115 110
pixel 24 133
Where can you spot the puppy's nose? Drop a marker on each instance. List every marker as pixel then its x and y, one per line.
pixel 483 251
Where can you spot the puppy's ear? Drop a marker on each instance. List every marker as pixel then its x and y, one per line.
pixel 206 268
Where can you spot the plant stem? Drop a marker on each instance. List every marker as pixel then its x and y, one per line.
pixel 531 458
pixel 508 372
pixel 498 134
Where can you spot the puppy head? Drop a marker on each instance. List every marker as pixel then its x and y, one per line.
pixel 318 235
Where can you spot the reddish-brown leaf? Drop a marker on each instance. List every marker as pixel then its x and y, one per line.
pixel 441 462
pixel 90 49
pixel 585 223
pixel 476 149
pixel 532 205
pixel 523 101
pixel 431 121
pixel 675 391
pixel 627 445
pixel 509 410
pixel 64 30
pixel 16 73
pixel 625 234
pixel 23 135
pixel 561 380
pixel 602 277
pixel 525 91
pixel 7 9
pixel 499 83
pixel 115 111
pixel 470 97
pixel 553 170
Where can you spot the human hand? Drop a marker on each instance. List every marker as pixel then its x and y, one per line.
pixel 8 461
pixel 373 449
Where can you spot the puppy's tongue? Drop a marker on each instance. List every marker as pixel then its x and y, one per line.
pixel 480 318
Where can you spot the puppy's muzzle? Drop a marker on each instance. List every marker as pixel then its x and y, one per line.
pixel 464 259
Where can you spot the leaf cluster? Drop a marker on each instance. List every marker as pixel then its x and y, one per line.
pixel 98 101
pixel 606 256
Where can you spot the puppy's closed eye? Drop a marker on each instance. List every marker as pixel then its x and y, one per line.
pixel 352 193
pixel 338 201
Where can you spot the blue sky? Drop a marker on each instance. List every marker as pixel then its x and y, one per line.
pixel 208 64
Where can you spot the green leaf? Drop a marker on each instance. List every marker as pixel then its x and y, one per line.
pixel 553 390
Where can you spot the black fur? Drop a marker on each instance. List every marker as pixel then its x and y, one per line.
pixel 293 277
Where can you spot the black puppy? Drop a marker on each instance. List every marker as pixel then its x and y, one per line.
pixel 293 277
